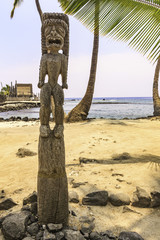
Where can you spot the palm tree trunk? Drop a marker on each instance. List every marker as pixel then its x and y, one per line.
pixel 80 112
pixel 39 9
pixel 156 99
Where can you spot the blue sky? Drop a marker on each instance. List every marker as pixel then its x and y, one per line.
pixel 121 71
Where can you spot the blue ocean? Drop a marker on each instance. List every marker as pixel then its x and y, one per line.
pixel 110 108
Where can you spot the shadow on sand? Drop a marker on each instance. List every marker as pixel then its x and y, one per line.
pixel 123 158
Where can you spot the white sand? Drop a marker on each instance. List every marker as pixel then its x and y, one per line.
pixel 98 139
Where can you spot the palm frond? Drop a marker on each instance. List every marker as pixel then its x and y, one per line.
pixel 136 22
pixel 154 3
pixel 15 4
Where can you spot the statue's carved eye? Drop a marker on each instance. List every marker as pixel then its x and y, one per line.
pixel 61 30
pixel 48 30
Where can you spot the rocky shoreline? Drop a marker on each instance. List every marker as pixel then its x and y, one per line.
pixel 14 106
pixel 25 119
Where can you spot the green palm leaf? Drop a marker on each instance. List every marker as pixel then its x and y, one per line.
pixel 136 22
pixel 15 4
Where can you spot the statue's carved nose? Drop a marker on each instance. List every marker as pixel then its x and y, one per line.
pixel 53 31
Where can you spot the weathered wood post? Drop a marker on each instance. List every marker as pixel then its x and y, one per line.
pixel 52 180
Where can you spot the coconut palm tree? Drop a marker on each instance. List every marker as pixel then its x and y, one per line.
pixel 133 21
pixel 80 112
pixel 156 98
pixel 125 20
pixel 136 22
pixel 5 90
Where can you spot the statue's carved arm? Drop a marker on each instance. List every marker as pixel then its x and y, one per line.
pixel 42 71
pixel 64 69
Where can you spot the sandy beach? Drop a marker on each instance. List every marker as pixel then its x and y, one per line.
pixel 95 139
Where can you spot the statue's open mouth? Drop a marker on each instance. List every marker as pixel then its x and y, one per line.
pixel 54 41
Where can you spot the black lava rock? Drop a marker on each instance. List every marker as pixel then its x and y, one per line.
pixel 129 236
pixel 99 198
pixel 141 198
pixel 155 200
pixel 119 199
pixel 30 198
pixel 14 225
pixel 7 204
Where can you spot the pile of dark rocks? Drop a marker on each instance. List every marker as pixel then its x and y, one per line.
pixel 140 198
pixel 24 225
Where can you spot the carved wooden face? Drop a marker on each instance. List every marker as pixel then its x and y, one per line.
pixel 54 37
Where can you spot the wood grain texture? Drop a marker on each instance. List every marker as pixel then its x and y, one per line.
pixel 52 181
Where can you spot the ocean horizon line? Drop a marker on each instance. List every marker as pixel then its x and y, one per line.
pixel 111 97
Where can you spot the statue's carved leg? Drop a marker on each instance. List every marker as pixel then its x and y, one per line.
pixel 45 99
pixel 59 113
